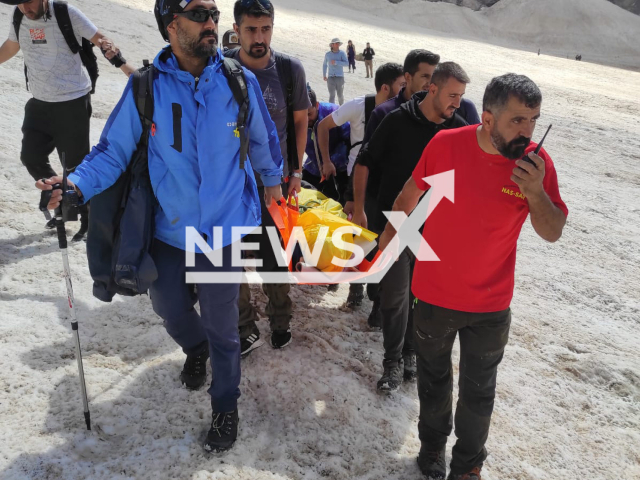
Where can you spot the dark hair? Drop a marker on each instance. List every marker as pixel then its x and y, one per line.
pixel 418 56
pixel 446 70
pixel 386 74
pixel 256 9
pixel 500 89
pixel 312 96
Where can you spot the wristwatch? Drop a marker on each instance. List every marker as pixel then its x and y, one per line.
pixel 296 175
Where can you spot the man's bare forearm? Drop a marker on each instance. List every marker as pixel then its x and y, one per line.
pixel 547 219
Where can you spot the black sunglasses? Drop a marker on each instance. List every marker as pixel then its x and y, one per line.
pixel 265 4
pixel 201 15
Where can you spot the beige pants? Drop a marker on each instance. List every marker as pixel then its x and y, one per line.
pixel 369 66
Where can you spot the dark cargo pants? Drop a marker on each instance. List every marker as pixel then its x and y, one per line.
pixel 174 300
pixel 396 302
pixel 279 306
pixel 483 337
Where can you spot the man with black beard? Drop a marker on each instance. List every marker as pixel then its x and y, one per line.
pixel 468 292
pixel 254 26
pixel 200 183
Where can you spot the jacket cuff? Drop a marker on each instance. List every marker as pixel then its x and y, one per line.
pixel 271 181
pixel 85 188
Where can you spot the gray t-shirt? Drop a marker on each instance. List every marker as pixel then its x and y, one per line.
pixel 55 73
pixel 273 95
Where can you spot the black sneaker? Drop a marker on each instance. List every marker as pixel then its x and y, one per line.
pixel 249 344
pixel 50 224
pixel 281 338
pixel 410 367
pixel 194 372
pixel 223 432
pixel 375 317
pixel 472 475
pixel 432 464
pixel 391 378
pixel 356 295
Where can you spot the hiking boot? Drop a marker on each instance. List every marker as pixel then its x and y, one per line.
pixel 410 367
pixel 281 338
pixel 84 223
pixel 432 464
pixel 194 372
pixel 223 432
pixel 375 317
pixel 356 295
pixel 391 378
pixel 249 344
pixel 474 474
pixel 333 287
pixel 50 224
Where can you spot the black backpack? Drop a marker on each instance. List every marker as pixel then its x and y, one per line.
pixel 85 51
pixel 121 224
pixel 285 75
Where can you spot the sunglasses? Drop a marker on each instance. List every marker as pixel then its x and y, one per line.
pixel 265 4
pixel 200 15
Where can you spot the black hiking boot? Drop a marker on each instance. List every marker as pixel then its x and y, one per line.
pixel 223 432
pixel 50 224
pixel 391 378
pixel 333 287
pixel 432 464
pixel 356 295
pixel 410 367
pixel 249 344
pixel 281 338
pixel 375 317
pixel 472 475
pixel 84 223
pixel 194 372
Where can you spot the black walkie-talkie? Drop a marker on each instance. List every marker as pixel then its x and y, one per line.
pixel 537 150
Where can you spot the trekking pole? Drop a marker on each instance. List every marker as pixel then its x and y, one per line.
pixel 66 211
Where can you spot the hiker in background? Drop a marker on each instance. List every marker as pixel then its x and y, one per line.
pixel 383 167
pixel 368 55
pixel 356 112
pixel 334 185
pixel 58 115
pixel 284 88
pixel 333 71
pixel 468 292
pixel 351 56
pixel 230 40
pixel 200 181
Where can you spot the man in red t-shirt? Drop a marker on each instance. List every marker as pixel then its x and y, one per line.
pixel 469 290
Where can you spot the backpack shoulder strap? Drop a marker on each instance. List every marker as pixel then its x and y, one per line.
pixel 285 75
pixel 143 91
pixel 369 106
pixel 17 20
pixel 61 10
pixel 238 85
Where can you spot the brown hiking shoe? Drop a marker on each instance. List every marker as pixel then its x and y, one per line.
pixel 474 474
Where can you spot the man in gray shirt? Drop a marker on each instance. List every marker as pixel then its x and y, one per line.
pixel 254 26
pixel 57 117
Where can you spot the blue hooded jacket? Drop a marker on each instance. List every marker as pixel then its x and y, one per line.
pixel 339 140
pixel 196 178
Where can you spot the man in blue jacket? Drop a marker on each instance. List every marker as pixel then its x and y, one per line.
pixel 194 169
pixel 329 176
pixel 334 62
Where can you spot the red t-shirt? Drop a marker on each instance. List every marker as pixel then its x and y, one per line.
pixel 475 237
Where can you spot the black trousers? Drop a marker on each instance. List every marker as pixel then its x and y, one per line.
pixel 396 302
pixel 483 337
pixel 63 126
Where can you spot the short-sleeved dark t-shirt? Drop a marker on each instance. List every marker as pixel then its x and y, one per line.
pixel 273 95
